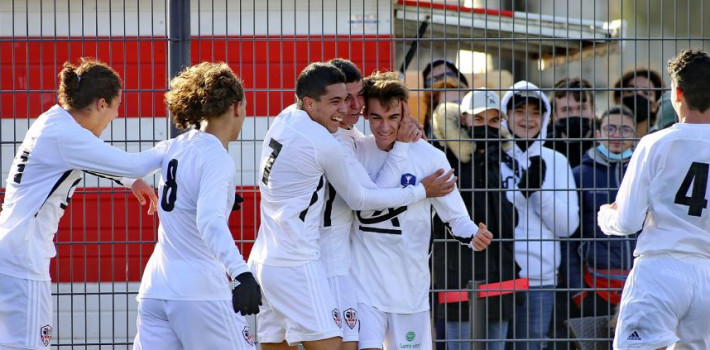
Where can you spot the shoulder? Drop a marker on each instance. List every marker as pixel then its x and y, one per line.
pixel 424 150
pixel 552 156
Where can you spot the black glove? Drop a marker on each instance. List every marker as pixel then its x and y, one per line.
pixel 533 176
pixel 246 296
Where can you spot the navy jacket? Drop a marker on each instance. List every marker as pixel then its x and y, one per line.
pixel 598 180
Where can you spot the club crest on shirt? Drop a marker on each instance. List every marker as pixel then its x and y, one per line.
pixel 350 316
pixel 337 319
pixel 408 179
pixel 45 333
pixel 247 335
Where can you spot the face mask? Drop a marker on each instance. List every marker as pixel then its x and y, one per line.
pixel 614 156
pixel 639 105
pixel 482 132
pixel 574 127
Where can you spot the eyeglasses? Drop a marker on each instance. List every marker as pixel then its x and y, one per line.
pixel 431 80
pixel 625 130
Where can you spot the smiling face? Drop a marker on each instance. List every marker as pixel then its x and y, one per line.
pixel 330 108
pixel 355 101
pixel 526 120
pixel 384 122
pixel 106 112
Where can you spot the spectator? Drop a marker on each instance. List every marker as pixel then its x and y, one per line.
pixel 477 161
pixel 447 90
pixel 572 116
pixel 666 114
pixel 596 260
pixel 546 207
pixel 443 83
pixel 640 90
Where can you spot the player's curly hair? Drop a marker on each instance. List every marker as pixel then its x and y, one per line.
pixel 86 82
pixel 201 92
pixel 385 87
pixel 690 72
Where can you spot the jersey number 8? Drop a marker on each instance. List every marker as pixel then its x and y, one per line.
pixel 170 187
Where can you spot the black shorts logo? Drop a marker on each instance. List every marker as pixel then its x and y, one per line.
pixel 350 317
pixel 45 333
pixel 247 335
pixel 337 319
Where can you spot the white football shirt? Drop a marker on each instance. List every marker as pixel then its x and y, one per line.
pixel 665 193
pixel 391 245
pixel 47 168
pixel 195 250
pixel 337 216
pixel 297 156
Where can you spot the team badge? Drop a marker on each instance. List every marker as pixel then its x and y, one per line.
pixel 45 333
pixel 337 319
pixel 411 335
pixel 408 179
pixel 247 335
pixel 350 316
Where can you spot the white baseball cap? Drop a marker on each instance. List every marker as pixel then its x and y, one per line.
pixel 479 100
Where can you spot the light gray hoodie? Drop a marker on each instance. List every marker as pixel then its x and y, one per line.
pixel 547 214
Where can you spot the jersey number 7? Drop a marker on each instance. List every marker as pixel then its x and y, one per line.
pixel 276 147
pixel 698 176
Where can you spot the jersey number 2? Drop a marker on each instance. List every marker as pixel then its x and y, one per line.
pixel 698 175
pixel 170 188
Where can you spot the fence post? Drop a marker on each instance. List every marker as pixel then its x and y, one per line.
pixel 477 315
pixel 178 44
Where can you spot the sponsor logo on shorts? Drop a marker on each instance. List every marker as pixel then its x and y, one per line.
pixel 411 335
pixel 350 317
pixel 633 336
pixel 336 317
pixel 408 179
pixel 247 335
pixel 45 333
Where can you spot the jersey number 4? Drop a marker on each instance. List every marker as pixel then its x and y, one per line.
pixel 170 187
pixel 698 176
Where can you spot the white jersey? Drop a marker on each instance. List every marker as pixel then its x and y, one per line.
pixel 297 156
pixel 664 192
pixel 391 245
pixel 337 216
pixel 195 250
pixel 47 168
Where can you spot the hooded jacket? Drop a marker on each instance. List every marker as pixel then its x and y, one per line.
pixel 454 265
pixel 547 214
pixel 598 180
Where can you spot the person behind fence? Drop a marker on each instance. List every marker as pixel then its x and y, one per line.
pixel 472 138
pixel 442 82
pixel 60 147
pixel 666 115
pixel 547 206
pixel 570 132
pixel 664 194
pixel 298 155
pixel 391 246
pixel 197 288
pixel 640 90
pixel 598 261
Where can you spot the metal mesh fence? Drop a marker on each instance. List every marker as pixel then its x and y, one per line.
pixel 568 276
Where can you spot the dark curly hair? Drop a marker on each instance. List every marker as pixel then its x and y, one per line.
pixel 647 73
pixel 86 82
pixel 690 72
pixel 202 91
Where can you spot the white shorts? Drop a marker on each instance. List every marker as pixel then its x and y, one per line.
pixel 344 291
pixel 665 301
pixel 298 304
pixel 178 324
pixel 394 331
pixel 25 313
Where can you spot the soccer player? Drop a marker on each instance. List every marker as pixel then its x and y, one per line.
pixel 664 194
pixel 337 220
pixel 391 245
pixel 298 156
pixel 185 298
pixel 60 146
